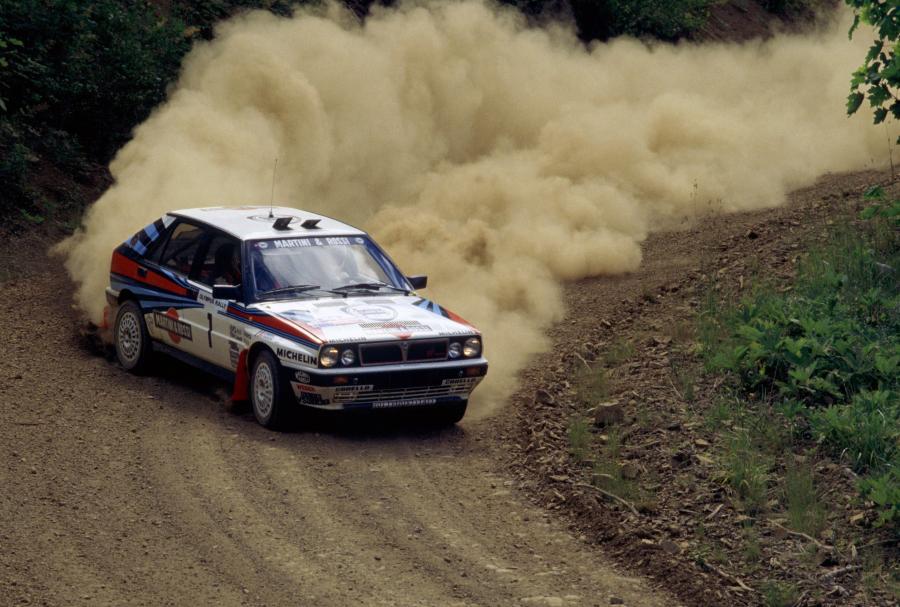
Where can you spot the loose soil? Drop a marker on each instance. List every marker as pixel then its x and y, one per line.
pixel 124 490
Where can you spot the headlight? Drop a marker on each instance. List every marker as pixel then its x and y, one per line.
pixel 348 357
pixel 472 347
pixel 454 350
pixel 328 356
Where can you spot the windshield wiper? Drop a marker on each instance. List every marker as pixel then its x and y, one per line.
pixel 369 286
pixel 291 289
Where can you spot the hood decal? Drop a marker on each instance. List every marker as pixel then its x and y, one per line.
pixel 371 319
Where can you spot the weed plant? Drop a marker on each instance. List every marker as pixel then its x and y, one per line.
pixel 825 354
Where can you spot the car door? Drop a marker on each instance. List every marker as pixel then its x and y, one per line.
pixel 179 326
pixel 219 263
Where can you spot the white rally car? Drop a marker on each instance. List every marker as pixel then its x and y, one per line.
pixel 294 308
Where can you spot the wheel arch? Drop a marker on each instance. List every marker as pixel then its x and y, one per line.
pixel 127 295
pixel 240 391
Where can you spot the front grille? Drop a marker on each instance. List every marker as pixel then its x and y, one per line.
pixel 380 354
pixel 456 387
pixel 427 350
pixel 399 352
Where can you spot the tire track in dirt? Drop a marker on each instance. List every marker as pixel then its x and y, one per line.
pixel 122 490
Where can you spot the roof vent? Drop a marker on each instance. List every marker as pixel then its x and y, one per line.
pixel 311 224
pixel 282 223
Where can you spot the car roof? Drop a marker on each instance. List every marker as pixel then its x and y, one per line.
pixel 255 222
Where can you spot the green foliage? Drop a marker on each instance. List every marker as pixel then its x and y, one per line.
pixel 865 431
pixel 878 78
pixel 779 594
pixel 604 19
pixel 805 512
pixel 880 207
pixel 747 471
pixel 826 353
pixel 665 20
pixel 884 490
pixel 92 69
pixel 579 438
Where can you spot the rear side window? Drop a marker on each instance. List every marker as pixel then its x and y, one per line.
pixel 181 249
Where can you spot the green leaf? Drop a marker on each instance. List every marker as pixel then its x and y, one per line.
pixel 880 114
pixel 854 100
pixel 853 26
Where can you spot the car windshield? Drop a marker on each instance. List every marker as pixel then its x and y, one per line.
pixel 286 267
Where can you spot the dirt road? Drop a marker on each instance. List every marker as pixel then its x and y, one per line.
pixel 122 490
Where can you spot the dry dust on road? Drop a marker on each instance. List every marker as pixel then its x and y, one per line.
pixel 123 490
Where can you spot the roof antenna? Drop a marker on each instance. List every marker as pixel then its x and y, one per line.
pixel 272 199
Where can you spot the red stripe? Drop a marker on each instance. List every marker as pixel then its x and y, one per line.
pixel 457 318
pixel 128 267
pixel 241 378
pixel 284 326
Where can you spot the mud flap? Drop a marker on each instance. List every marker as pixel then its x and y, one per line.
pixel 240 391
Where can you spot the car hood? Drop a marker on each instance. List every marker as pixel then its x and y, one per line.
pixel 372 318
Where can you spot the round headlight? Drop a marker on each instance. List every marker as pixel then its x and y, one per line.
pixel 348 357
pixel 454 350
pixel 328 356
pixel 472 347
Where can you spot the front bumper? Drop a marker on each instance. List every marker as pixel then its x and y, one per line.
pixel 387 387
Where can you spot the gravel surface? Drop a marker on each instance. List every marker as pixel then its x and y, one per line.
pixel 125 490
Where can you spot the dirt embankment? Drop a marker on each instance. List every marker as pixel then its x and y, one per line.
pixel 636 332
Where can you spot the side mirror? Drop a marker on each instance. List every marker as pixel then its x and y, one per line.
pixel 230 292
pixel 418 282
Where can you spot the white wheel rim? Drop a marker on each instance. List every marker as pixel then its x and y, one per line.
pixel 263 390
pixel 128 337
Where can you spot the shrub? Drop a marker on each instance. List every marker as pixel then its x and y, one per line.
pixel 866 431
pixel 93 69
pixel 884 491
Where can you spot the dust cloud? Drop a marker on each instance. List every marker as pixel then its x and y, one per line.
pixel 500 160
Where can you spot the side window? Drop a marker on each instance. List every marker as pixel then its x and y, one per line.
pixel 222 263
pixel 179 252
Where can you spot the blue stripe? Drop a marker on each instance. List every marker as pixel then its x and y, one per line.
pixel 287 336
pixel 151 232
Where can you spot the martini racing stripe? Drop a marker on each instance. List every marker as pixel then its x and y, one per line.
pixel 433 307
pixel 140 241
pixel 128 268
pixel 272 324
pixel 150 297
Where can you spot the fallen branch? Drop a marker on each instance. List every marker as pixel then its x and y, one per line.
pixel 714 512
pixel 624 502
pixel 804 536
pixel 731 578
pixel 586 364
pixel 836 572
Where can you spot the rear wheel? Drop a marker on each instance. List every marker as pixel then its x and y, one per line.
pixel 268 392
pixel 133 347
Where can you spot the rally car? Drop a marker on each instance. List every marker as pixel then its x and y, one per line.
pixel 296 309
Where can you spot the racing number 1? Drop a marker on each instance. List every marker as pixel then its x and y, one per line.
pixel 209 332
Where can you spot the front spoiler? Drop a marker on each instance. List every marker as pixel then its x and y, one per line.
pixel 392 388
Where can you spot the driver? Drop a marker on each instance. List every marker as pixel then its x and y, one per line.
pixel 228 265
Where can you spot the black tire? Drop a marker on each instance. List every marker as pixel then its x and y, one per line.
pixel 268 392
pixel 447 415
pixel 132 341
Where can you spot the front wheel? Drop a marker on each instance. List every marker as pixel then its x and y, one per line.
pixel 133 347
pixel 267 392
pixel 447 415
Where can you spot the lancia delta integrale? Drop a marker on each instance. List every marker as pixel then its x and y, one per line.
pixel 296 309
